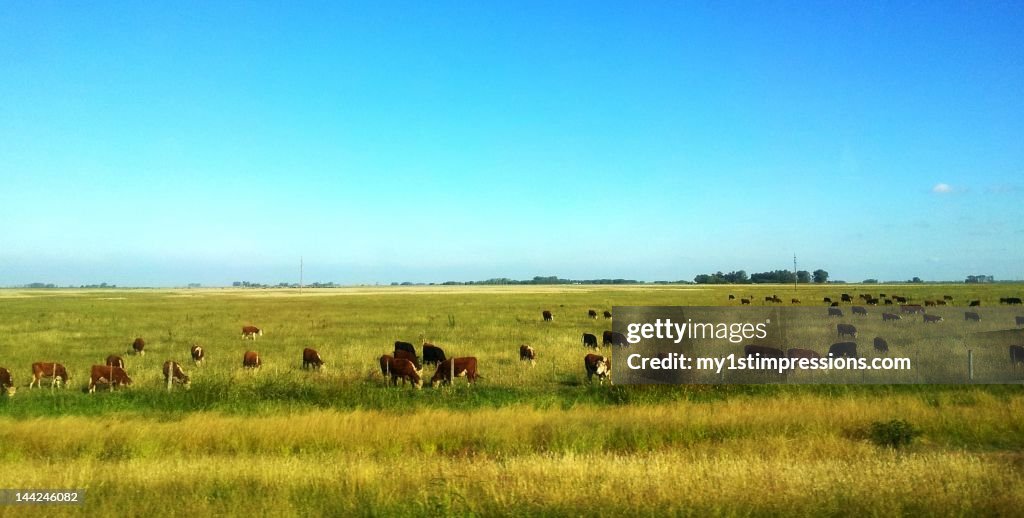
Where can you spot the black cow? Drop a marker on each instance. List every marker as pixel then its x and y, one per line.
pixel 974 303
pixel 405 346
pixel 881 345
pixel 744 301
pixel 858 310
pixel 607 314
pixel 732 297
pixel 590 340
pixel 591 313
pixel 971 316
pixel 843 349
pixel 613 338
pixel 826 300
pixel 547 315
pixel 432 354
pixel 846 330
pixel 835 312
pixel 845 297
pixel 890 316
pixel 1013 301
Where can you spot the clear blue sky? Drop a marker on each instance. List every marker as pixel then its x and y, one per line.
pixel 159 144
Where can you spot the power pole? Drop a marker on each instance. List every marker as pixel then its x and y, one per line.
pixel 300 275
pixel 796 278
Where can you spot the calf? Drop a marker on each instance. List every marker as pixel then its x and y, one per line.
pixel 402 354
pixel 55 371
pixel 890 316
pixel 846 330
pixel 858 310
pixel 138 346
pixel 311 358
pixel 251 360
pixel 432 354
pixel 971 316
pixel 457 367
pixel 590 340
pixel 6 385
pixel 843 349
pixel 547 315
pixel 593 314
pixel 835 312
pixel 526 353
pixel 881 345
pixel 115 361
pixel 597 365
pixel 197 354
pixel 107 375
pixel 173 374
pixel 251 332
pixel 404 369
pixel 932 319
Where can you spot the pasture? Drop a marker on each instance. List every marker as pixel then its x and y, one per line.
pixel 526 440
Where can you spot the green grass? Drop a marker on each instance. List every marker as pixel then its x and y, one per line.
pixel 525 441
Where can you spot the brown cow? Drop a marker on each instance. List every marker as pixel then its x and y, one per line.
pixel 42 370
pixel 457 366
pixel 115 361
pixel 311 358
pixel 972 316
pixel 598 365
pixel 526 353
pixel 402 354
pixel 251 360
pixel 198 355
pixel 846 329
pixel 107 375
pixel 173 374
pixel 932 318
pixel 138 346
pixel 5 382
pixel 251 332
pixel 547 315
pixel 401 368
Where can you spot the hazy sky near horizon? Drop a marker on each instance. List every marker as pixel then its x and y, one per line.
pixel 150 143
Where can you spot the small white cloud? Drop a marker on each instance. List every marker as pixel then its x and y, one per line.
pixel 942 188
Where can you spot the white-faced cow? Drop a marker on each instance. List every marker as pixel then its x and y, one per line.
pixel 456 367
pixel 107 375
pixel 115 360
pixel 404 369
pixel 432 354
pixel 6 385
pixel 597 365
pixel 173 374
pixel 138 346
pixel 846 330
pixel 251 360
pixel 198 355
pixel 55 371
pixel 251 332
pixel 526 353
pixel 311 358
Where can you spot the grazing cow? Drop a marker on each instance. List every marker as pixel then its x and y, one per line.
pixel 929 303
pixel 526 353
pixel 843 349
pixel 770 298
pixel 846 330
pixel 405 346
pixel 940 303
pixel 932 319
pixel 947 297
pixel 55 371
pixel 744 301
pixel 859 310
pixel 794 301
pixel 827 300
pixel 881 295
pixel 887 302
pixel 115 360
pixel 432 354
pixel 591 313
pixel 457 366
pixel 590 340
pixel 197 354
pixel 386 361
pixel 547 315
pixel 912 308
pixel 1013 301
pixel 251 332
pixel 107 375
pixel 974 303
pixel 607 314
pixel 732 297
pixel 901 300
pixel 139 346
pixel 1019 321
pixel 890 316
pixel 613 338
pixel 834 305
pixel 835 312
pixel 845 297
pixel 872 302
pixel 971 316
pixel 881 345
pixel 1016 355
pixel 402 354
pixel 404 369
pixel 251 360
pixel 6 385
pixel 597 365
pixel 173 374
pixel 311 358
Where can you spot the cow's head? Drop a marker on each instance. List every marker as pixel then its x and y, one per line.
pixel 603 369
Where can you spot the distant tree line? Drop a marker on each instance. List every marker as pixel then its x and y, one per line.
pixel 979 279
pixel 247 284
pixel 553 279
pixel 773 277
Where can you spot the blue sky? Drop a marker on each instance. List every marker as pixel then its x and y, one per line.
pixel 159 144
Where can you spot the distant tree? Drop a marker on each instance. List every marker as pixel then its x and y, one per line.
pixel 820 276
pixel 870 281
pixel 915 280
pixel 803 277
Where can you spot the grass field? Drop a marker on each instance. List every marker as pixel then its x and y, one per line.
pixel 525 441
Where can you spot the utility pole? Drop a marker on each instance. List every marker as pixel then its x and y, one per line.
pixel 795 277
pixel 300 275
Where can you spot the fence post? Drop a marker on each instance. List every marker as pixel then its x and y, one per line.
pixel 970 365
